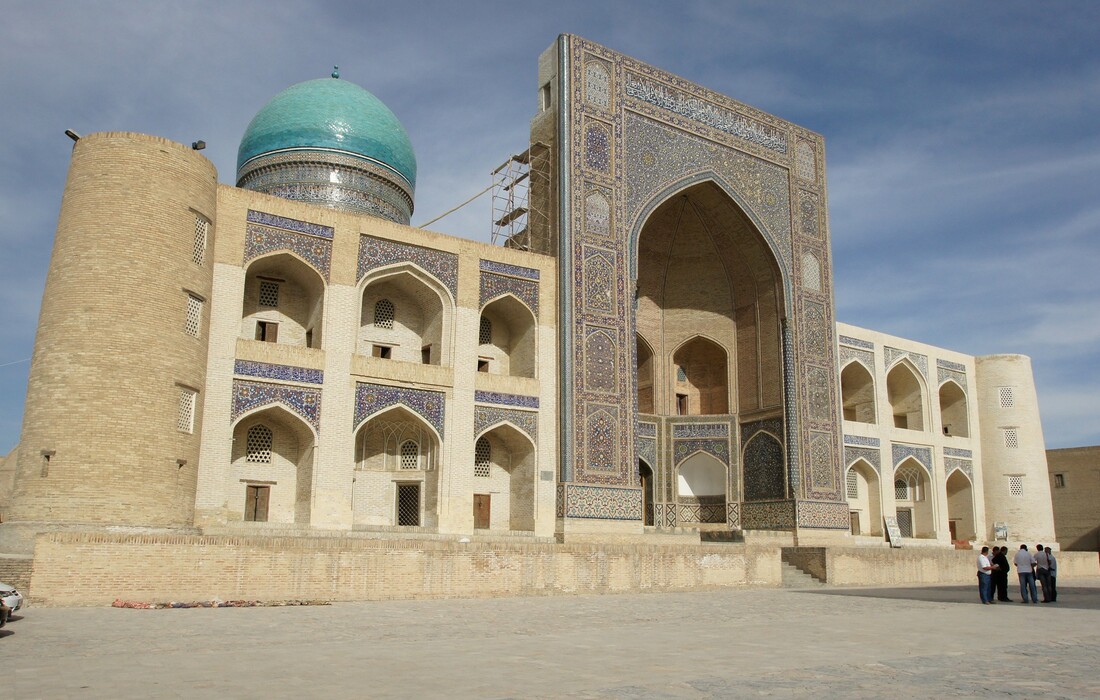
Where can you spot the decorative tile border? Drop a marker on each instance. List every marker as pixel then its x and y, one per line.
pixel 646 449
pixel 947 364
pixel 856 342
pixel 920 361
pixel 943 374
pixel 823 515
pixel 285 373
pixel 379 252
pixel 600 502
pixel 259 217
pixel 957 452
pixel 524 421
pixel 700 430
pixel 302 401
pixel 506 269
pixel 861 440
pixel 506 399
pixel 963 465
pixel 647 429
pixel 718 448
pixel 372 398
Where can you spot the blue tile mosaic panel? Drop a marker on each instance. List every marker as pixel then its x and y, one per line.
pixel 764 471
pixel 894 354
pixel 372 398
pixel 851 454
pixel 506 399
pixel 494 286
pixel 380 252
pixel 262 240
pixel 700 430
pixel 286 373
pixel 646 449
pixel 259 217
pixel 489 416
pixel 302 401
pixel 856 342
pixel 823 515
pixel 899 452
pixel 861 440
pixel 768 515
pixel 963 465
pixel 957 452
pixel 718 448
pixel 947 364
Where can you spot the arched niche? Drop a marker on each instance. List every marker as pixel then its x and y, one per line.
pixel 906 396
pixel 506 338
pixel 645 370
pixel 271 474
pixel 405 316
pixel 284 302
pixel 960 506
pixel 857 390
pixel 954 414
pixel 396 452
pixel 699 374
pixel 509 479
pixel 763 468
pixel 913 499
pixel 701 489
pixel 703 268
pixel 864 494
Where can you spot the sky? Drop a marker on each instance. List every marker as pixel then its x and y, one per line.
pixel 962 139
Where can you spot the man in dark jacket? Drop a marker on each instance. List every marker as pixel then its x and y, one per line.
pixel 1000 574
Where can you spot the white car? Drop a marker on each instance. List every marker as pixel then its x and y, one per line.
pixel 11 597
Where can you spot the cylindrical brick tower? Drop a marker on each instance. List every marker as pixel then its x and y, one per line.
pixel 1014 461
pixel 113 411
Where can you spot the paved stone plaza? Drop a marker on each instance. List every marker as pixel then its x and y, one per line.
pixel 824 642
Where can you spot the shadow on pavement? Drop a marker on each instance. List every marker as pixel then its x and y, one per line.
pixel 1068 597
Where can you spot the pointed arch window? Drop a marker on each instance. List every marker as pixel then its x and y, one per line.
pixel 410 455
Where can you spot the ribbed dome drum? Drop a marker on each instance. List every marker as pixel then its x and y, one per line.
pixel 332 143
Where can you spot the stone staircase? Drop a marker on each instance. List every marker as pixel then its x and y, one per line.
pixel 793 577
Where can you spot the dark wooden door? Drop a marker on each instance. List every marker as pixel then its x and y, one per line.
pixel 954 527
pixel 481 511
pixel 255 503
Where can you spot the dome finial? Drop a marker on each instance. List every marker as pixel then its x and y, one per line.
pixel 336 71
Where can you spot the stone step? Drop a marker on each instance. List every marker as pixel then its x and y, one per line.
pixel 793 577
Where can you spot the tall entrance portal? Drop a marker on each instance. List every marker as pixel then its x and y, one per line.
pixel 696 316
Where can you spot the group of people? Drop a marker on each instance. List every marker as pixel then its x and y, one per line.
pixel 993 570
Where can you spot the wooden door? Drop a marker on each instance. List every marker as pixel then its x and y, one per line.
pixel 255 503
pixel 481 511
pixel 853 522
pixel 953 526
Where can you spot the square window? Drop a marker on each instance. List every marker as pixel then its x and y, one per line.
pixel 482 365
pixel 269 293
pixel 1059 481
pixel 382 351
pixel 267 331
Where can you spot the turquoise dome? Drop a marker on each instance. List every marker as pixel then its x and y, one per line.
pixel 330 115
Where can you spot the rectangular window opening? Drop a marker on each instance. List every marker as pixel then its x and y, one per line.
pixel 681 404
pixel 267 331
pixel 1059 481
pixel 194 316
pixel 482 365
pixel 408 505
pixel 382 351
pixel 185 417
pixel 426 355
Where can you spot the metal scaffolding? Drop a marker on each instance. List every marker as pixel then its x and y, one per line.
pixel 520 220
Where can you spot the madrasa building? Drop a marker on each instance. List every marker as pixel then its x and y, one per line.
pixel 646 365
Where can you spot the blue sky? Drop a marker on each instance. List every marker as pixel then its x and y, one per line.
pixel 963 139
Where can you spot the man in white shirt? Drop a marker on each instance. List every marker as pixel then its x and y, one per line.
pixel 1025 569
pixel 985 577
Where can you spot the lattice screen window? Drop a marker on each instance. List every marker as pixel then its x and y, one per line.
pixel 485 332
pixel 1006 396
pixel 1016 485
pixel 483 455
pixel 853 484
pixel 681 374
pixel 258 442
pixel 202 230
pixel 408 505
pixel 410 455
pixel 269 293
pixel 383 314
pixel 1012 438
pixel 194 315
pixel 185 415
pixel 905 522
pixel 901 490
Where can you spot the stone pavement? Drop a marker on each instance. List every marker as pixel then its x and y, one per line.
pixel 825 642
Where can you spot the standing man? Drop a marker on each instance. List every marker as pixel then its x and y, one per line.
pixel 1025 569
pixel 1000 573
pixel 1053 576
pixel 1042 571
pixel 985 579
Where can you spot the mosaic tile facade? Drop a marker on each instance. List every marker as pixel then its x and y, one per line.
pixel 768 515
pixel 954 366
pixel 856 342
pixel 652 136
pixel 944 374
pixel 861 440
pixel 599 502
pixel 763 474
pixel 263 240
pixel 899 453
pixel 918 360
pixel 500 268
pixel 284 373
pixel 700 430
pixel 957 452
pixel 950 464
pixel 719 449
pixel 372 398
pixel 302 401
pixel 865 357
pixel 823 515
pixel 274 221
pixel 851 454
pixel 380 252
pixel 489 416
pixel 646 449
pixel 494 286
